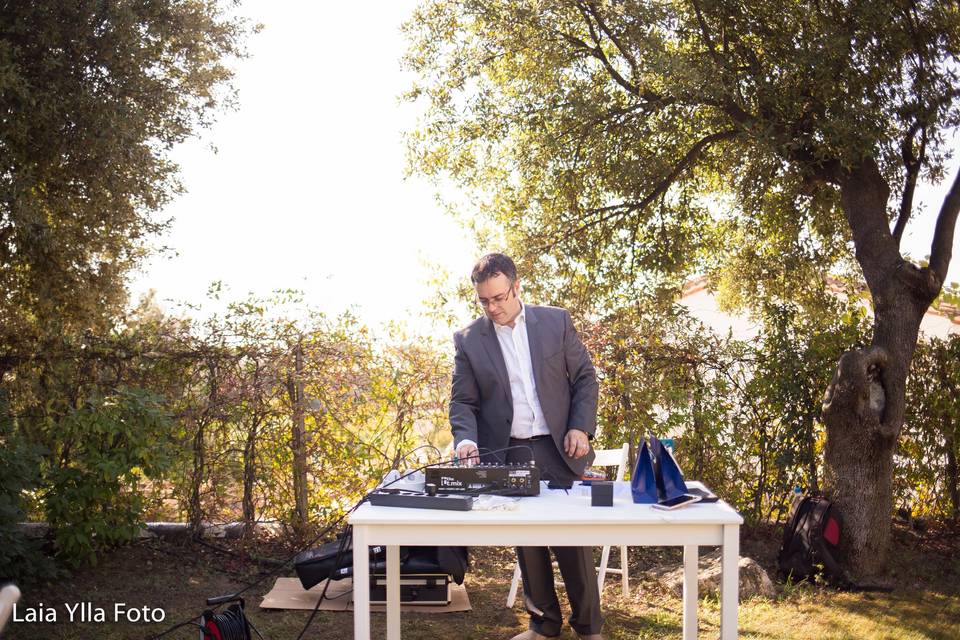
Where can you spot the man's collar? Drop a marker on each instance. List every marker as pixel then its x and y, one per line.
pixel 521 317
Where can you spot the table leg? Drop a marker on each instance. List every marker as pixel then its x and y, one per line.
pixel 361 584
pixel 690 595
pixel 729 582
pixel 393 592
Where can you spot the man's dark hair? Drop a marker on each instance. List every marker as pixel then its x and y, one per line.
pixel 490 265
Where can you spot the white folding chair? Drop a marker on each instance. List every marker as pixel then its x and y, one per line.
pixel 618 458
pixel 604 458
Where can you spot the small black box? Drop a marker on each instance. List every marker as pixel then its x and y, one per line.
pixel 601 494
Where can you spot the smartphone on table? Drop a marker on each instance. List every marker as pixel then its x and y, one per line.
pixel 677 503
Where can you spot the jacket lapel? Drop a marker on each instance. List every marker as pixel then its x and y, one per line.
pixel 492 346
pixel 536 346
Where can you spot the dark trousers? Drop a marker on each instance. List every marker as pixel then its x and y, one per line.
pixel 576 563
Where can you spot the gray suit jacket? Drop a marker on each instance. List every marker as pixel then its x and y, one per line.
pixel 481 405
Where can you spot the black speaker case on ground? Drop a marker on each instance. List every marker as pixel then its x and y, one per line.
pixel 313 566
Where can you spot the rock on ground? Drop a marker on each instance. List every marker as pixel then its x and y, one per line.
pixel 753 579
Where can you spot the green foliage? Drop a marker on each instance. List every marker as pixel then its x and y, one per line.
pixel 927 478
pixel 744 415
pixel 950 298
pixel 21 558
pixel 102 449
pixel 663 373
pixel 620 147
pixel 94 96
pixel 619 143
pixel 793 363
pixel 229 381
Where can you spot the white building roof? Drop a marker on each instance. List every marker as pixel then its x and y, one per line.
pixel 703 305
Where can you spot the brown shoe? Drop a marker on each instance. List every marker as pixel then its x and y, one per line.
pixel 592 636
pixel 530 634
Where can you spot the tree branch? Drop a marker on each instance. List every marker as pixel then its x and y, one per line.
pixel 597 52
pixel 863 195
pixel 615 116
pixel 941 249
pixel 729 105
pixel 601 23
pixel 615 211
pixel 912 163
pixel 705 33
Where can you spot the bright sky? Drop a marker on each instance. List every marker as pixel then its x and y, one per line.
pixel 306 189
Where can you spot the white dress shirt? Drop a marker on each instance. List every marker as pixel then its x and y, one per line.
pixel 528 418
pixel 514 344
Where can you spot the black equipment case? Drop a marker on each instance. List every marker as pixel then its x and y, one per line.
pixel 425 572
pixel 417 588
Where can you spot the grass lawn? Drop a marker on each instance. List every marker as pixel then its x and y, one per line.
pixel 178 577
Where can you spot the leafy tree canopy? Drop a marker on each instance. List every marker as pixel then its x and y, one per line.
pixel 93 97
pixel 615 139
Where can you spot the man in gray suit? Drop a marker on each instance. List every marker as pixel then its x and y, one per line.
pixel 523 379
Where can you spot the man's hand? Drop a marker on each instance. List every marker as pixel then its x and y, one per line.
pixel 576 443
pixel 468 454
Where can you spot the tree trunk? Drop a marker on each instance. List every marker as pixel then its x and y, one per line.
pixel 250 476
pixel 195 506
pixel 298 441
pixel 762 471
pixel 863 408
pixel 859 461
pixel 198 476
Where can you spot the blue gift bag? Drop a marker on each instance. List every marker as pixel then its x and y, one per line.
pixel 667 472
pixel 643 483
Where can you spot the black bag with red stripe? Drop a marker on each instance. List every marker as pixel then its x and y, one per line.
pixel 811 542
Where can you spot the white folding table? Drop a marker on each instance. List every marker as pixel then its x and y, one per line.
pixel 551 519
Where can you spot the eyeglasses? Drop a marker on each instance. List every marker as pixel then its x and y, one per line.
pixel 498 299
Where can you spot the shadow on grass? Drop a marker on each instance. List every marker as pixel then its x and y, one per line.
pixel 621 625
pixel 923 614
